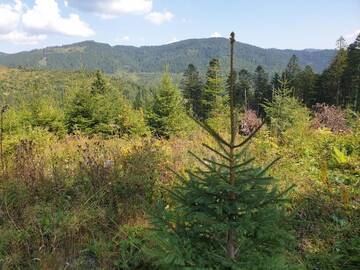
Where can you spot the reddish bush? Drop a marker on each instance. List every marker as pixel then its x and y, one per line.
pixel 249 122
pixel 330 117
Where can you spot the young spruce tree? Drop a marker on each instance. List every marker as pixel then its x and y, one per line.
pixel 212 89
pixel 166 116
pixel 193 91
pixel 223 215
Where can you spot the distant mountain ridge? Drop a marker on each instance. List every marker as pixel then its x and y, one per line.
pixel 151 59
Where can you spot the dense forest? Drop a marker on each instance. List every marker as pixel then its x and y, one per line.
pixel 152 59
pixel 252 167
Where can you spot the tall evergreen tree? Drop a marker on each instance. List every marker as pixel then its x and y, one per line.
pixel 244 89
pixel 276 81
pixel 341 43
pixel 330 85
pixel 225 214
pixel 306 83
pixel 291 75
pixel 292 68
pixel 351 76
pixel 262 89
pixel 167 115
pixel 213 88
pixel 192 90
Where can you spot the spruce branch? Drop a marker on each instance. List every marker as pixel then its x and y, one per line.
pixel 250 136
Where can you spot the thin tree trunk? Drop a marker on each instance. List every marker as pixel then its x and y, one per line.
pixel 232 232
pixel 338 93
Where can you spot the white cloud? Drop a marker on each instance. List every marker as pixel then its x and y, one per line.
pixel 66 3
pixel 22 38
pixel 10 16
pixel 159 17
pixel 216 35
pixel 45 17
pixel 113 8
pixel 20 24
pixel 109 9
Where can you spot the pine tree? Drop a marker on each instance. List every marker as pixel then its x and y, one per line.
pixel 223 215
pixel 292 69
pixel 351 76
pixel 99 84
pixel 307 81
pixel 79 115
pixel 341 43
pixel 167 115
pixel 212 89
pixel 331 90
pixel 276 81
pixel 291 74
pixel 262 89
pixel 192 90
pixel 244 89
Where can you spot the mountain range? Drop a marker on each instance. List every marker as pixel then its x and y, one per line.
pixel 153 59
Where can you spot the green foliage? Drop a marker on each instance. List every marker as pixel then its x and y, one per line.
pixel 291 75
pixel 351 75
pixel 193 91
pixel 225 214
pixel 68 205
pixel 214 87
pixel 79 202
pixel 167 115
pixel 263 91
pixel 285 112
pixel 97 56
pixel 244 94
pixel 99 84
pixel 80 112
pixel 306 83
pixel 92 112
pixel 191 230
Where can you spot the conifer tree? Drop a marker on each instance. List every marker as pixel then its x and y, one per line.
pixel 291 75
pixel 292 69
pixel 167 115
pixel 192 90
pixel 351 76
pixel 224 214
pixel 212 89
pixel 99 84
pixel 276 81
pixel 79 115
pixel 331 89
pixel 243 93
pixel 262 89
pixel 307 81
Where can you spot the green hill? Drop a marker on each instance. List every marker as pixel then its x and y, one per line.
pixel 153 59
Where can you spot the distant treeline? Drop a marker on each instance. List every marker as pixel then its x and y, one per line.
pixel 338 85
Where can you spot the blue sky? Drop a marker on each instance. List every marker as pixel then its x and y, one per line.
pixel 296 24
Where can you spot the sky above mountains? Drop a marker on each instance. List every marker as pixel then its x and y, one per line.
pixel 28 24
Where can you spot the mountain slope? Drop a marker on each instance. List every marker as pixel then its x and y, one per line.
pixel 177 56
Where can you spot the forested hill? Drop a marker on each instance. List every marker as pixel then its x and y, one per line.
pixel 177 56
